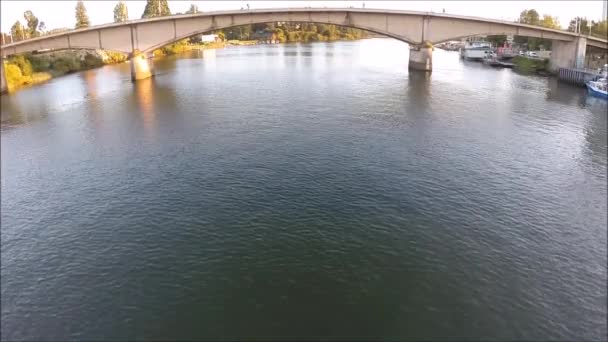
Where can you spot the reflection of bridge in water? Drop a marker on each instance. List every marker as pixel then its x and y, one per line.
pixel 421 30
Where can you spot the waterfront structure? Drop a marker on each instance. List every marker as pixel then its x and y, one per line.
pixel 421 30
pixel 475 50
pixel 210 38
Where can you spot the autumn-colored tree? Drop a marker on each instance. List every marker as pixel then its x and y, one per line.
pixel 82 19
pixel 156 8
pixel 121 14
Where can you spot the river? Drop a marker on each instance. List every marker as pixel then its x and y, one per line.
pixel 304 191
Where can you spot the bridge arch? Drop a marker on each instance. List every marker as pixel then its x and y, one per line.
pixel 203 31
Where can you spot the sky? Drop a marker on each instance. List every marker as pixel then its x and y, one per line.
pixel 58 14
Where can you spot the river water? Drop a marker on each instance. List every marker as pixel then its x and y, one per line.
pixel 304 191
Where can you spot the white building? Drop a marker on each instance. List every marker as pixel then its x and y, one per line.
pixel 605 10
pixel 210 38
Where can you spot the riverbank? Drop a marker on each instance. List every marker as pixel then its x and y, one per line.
pixel 30 69
pixel 526 65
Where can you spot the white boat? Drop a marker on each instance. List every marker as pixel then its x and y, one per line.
pixel 598 88
pixel 476 50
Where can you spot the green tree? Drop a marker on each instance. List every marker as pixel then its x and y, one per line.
pixel 600 29
pixel 17 31
pixel 121 14
pixel 529 17
pixel 82 19
pixel 42 27
pixel 32 23
pixel 497 40
pixel 193 9
pixel 156 8
pixel 579 24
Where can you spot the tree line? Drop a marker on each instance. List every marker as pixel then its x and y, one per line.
pixel 532 17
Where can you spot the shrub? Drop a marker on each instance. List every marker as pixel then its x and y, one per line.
pixel 91 61
pixel 40 63
pixel 178 47
pixel 64 65
pixel 13 74
pixel 115 57
pixel 293 36
pixel 529 65
pixel 23 63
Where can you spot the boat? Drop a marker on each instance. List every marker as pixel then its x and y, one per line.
pixel 598 88
pixel 475 50
pixel 490 59
pixel 493 60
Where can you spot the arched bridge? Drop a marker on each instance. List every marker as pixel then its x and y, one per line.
pixel 415 28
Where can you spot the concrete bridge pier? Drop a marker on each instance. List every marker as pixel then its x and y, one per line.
pixel 566 54
pixel 421 57
pixel 141 66
pixel 3 84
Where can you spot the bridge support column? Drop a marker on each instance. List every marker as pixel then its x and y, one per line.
pixel 141 66
pixel 3 82
pixel 568 54
pixel 421 57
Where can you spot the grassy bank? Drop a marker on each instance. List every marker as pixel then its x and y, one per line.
pixel 242 42
pixel 184 46
pixel 29 69
pixel 531 66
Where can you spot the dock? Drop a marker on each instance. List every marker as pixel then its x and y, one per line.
pixel 577 76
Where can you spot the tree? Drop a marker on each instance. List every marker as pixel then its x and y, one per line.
pixel 600 29
pixel 193 9
pixel 550 22
pixel 156 8
pixel 221 35
pixel 497 40
pixel 32 23
pixel 579 25
pixel 42 27
pixel 121 14
pixel 82 19
pixel 17 31
pixel 529 17
pixel 6 38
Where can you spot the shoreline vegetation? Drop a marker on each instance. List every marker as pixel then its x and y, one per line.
pixel 30 69
pixel 34 68
pixel 527 66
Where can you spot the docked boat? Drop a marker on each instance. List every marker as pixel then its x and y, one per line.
pixel 476 50
pixel 598 88
pixel 492 59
